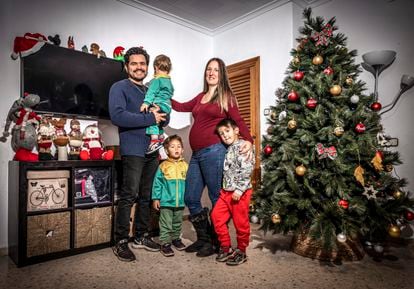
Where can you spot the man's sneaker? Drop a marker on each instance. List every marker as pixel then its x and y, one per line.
pixel 153 147
pixel 237 258
pixel 122 251
pixel 146 243
pixel 223 254
pixel 166 250
pixel 178 244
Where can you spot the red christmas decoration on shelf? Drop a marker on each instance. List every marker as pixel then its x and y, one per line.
pixel 376 106
pixel 328 71
pixel 343 203
pixel 360 127
pixel 293 96
pixel 311 103
pixel 267 150
pixel 298 75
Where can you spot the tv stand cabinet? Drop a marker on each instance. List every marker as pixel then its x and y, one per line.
pixel 82 224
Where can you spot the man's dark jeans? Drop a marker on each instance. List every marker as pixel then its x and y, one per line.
pixel 137 176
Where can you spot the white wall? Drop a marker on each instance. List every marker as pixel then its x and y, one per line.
pixel 268 36
pixel 384 25
pixel 109 23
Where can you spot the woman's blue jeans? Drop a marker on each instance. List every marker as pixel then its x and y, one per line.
pixel 205 169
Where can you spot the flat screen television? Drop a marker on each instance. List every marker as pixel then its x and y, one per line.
pixel 70 82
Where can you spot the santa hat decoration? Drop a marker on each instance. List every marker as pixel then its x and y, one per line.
pixel 28 44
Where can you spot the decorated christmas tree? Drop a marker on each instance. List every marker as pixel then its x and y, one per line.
pixel 324 173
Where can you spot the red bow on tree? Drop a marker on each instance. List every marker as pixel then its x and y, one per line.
pixel 321 38
pixel 324 152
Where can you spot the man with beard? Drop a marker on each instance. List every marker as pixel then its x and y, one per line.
pixel 125 99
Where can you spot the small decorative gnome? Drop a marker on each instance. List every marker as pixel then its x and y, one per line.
pixel 60 139
pixel 92 145
pixel 44 139
pixel 75 139
pixel 95 49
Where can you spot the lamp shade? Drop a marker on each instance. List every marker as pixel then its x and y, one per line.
pixel 379 57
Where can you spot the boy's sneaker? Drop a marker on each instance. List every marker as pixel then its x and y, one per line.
pixel 223 254
pixel 178 244
pixel 153 147
pixel 146 243
pixel 166 250
pixel 237 258
pixel 122 251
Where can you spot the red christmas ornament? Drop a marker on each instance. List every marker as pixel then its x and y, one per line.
pixel 360 127
pixel 267 150
pixel 311 103
pixel 293 96
pixel 343 203
pixel 380 154
pixel 409 215
pixel 376 106
pixel 298 75
pixel 328 71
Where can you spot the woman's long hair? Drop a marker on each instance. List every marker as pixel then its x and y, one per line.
pixel 223 94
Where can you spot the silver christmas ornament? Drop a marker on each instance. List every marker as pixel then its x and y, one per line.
pixel 282 115
pixel 378 248
pixel 254 219
pixel 355 99
pixel 341 237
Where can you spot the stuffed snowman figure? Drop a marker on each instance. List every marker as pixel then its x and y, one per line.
pixel 92 145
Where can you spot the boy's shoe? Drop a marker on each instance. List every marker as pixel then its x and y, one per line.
pixel 222 255
pixel 153 147
pixel 146 243
pixel 237 258
pixel 122 251
pixel 166 250
pixel 178 244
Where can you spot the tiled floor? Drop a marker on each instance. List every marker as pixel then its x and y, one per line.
pixel 270 265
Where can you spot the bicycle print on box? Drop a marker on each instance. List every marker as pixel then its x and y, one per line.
pixel 46 194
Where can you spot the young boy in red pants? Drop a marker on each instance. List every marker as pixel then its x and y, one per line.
pixel 234 196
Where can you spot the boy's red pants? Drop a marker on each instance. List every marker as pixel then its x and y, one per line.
pixel 226 208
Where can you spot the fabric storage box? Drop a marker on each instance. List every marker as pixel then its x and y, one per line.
pixel 48 233
pixel 47 190
pixel 93 226
pixel 92 185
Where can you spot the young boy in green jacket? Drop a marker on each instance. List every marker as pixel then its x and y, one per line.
pixel 168 195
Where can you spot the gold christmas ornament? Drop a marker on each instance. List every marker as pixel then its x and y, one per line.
pixel 349 80
pixel 339 131
pixel 335 90
pixel 270 129
pixel 398 194
pixel 300 170
pixel 317 60
pixel 394 231
pixel 292 124
pixel 276 219
pixel 273 115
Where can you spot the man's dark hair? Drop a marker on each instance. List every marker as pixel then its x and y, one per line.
pixel 226 122
pixel 136 50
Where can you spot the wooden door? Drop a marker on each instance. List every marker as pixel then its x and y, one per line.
pixel 244 78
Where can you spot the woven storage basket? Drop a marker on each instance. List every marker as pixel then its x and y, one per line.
pixel 48 233
pixel 92 226
pixel 303 245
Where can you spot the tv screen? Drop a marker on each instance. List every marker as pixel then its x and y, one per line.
pixel 70 82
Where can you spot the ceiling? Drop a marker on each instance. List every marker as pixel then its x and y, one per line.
pixel 211 16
